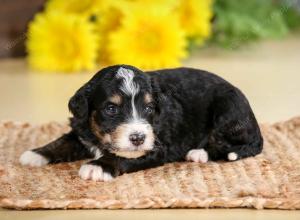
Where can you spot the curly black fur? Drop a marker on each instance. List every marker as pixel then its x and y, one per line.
pixel 192 109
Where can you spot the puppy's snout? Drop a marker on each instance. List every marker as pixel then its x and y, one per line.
pixel 137 138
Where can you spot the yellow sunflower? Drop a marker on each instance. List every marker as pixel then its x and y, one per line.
pixel 85 8
pixel 148 39
pixel 195 16
pixel 61 42
pixel 159 5
pixel 108 21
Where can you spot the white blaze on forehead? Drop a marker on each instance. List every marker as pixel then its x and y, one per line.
pixel 129 87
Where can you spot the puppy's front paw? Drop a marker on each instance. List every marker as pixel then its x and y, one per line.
pixel 94 172
pixel 33 159
pixel 197 155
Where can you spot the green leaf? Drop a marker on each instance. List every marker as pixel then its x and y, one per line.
pixel 239 22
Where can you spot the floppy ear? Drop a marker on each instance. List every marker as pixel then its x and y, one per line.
pixel 79 103
pixel 79 106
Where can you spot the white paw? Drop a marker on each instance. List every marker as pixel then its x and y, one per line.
pixel 197 155
pixel 232 156
pixel 33 159
pixel 94 172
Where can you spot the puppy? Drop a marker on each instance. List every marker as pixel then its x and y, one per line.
pixel 126 120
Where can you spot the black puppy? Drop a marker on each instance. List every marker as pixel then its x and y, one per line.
pixel 128 120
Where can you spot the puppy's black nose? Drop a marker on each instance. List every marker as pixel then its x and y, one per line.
pixel 137 138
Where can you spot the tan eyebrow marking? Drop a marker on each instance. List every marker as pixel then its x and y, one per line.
pixel 116 99
pixel 148 98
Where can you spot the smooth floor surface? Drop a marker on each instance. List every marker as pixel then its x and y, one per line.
pixel 157 214
pixel 268 73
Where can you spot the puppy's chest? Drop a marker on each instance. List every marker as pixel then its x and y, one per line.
pixel 94 149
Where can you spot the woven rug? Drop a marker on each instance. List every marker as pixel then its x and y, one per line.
pixel 269 180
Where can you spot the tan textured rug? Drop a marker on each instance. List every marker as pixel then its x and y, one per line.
pixel 270 180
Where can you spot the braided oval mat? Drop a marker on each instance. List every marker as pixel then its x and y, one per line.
pixel 269 180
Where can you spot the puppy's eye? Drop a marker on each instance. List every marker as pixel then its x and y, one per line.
pixel 149 109
pixel 111 109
